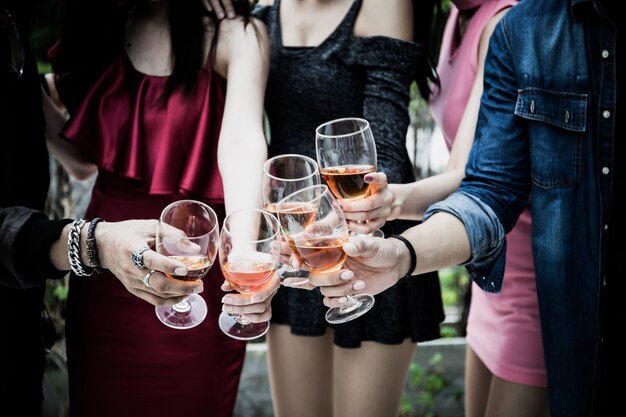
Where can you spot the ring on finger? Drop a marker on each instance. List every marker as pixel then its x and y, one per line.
pixel 146 279
pixel 137 257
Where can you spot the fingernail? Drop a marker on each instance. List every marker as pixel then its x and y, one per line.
pixel 368 178
pixel 227 308
pixel 227 300
pixel 346 275
pixel 231 15
pixel 220 15
pixel 180 271
pixel 342 300
pixel 198 290
pixel 359 285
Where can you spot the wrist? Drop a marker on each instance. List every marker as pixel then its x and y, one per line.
pixel 407 257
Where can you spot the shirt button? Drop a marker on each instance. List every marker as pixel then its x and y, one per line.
pixel 605 170
pixel 606 114
pixel 605 54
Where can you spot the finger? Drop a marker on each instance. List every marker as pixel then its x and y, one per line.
pixel 242 304
pixel 228 8
pixel 168 287
pixel 259 317
pixel 165 264
pixel 297 282
pixel 330 278
pixel 347 288
pixel 207 5
pixel 216 5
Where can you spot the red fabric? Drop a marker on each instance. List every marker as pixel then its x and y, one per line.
pixel 123 128
pixel 122 360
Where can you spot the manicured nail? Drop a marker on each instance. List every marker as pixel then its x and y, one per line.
pixel 198 290
pixel 231 15
pixel 368 178
pixel 359 285
pixel 346 275
pixel 181 271
pixel 342 300
pixel 227 300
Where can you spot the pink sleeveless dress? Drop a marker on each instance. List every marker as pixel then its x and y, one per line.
pixel 503 329
pixel 122 360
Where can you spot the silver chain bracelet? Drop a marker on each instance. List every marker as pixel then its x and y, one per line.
pixel 73 250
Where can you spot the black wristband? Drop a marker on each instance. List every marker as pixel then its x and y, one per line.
pixel 92 249
pixel 411 254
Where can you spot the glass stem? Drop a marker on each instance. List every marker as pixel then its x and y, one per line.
pixel 182 307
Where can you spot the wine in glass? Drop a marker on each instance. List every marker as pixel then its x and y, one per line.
pixel 248 262
pixel 283 175
pixel 188 231
pixel 346 152
pixel 316 230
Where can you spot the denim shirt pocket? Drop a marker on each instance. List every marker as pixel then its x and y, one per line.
pixel 557 122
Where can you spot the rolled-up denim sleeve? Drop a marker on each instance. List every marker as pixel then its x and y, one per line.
pixel 486 235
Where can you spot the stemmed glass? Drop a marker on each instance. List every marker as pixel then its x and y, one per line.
pixel 188 231
pixel 316 230
pixel 346 152
pixel 248 262
pixel 283 175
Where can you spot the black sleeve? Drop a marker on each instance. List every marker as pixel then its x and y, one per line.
pixel 26 236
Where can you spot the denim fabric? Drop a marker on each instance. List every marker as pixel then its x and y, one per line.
pixel 545 133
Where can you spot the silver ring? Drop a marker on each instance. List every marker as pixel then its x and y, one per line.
pixel 137 257
pixel 146 279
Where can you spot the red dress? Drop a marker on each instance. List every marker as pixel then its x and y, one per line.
pixel 122 360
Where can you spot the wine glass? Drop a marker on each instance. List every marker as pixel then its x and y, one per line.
pixel 346 152
pixel 283 175
pixel 248 262
pixel 188 231
pixel 316 230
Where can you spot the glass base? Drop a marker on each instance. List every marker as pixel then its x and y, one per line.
pixel 356 306
pixel 187 314
pixel 232 327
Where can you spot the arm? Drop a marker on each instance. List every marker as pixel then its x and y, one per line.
pixel 242 57
pixel 68 154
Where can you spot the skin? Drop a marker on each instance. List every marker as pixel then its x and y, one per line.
pixel 238 50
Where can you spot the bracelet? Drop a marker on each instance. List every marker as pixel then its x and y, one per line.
pixel 73 250
pixel 92 249
pixel 411 254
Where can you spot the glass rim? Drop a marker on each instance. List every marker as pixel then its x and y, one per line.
pixel 362 128
pixel 212 215
pixel 296 205
pixel 265 213
pixel 288 155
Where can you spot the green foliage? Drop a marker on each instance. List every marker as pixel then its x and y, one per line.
pixel 426 384
pixel 454 283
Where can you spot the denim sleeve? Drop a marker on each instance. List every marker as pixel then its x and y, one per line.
pixel 486 235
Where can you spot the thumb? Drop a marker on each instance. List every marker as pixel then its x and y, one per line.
pixel 362 247
pixel 376 178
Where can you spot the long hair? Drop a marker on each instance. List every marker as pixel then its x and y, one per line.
pixel 425 32
pixel 90 41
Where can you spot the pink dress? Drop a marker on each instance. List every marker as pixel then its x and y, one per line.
pixel 503 329
pixel 122 360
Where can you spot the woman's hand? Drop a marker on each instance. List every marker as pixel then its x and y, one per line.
pixel 370 213
pixel 255 307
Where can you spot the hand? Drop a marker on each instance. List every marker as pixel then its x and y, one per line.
pixel 117 240
pixel 222 8
pixel 255 307
pixel 369 213
pixel 376 262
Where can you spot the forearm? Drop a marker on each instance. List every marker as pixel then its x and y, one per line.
pixel 440 242
pixel 411 200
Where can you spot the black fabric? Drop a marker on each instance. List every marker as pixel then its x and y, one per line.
pixel 349 76
pixel 24 179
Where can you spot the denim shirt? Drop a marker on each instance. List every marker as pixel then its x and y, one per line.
pixel 545 133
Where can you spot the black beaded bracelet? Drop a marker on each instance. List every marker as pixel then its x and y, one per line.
pixel 92 249
pixel 411 254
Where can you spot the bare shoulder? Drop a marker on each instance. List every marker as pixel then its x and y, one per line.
pixel 392 18
pixel 238 40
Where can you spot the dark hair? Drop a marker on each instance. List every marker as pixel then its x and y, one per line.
pixel 426 17
pixel 90 41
